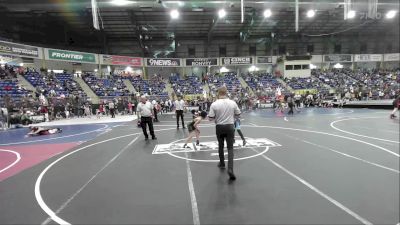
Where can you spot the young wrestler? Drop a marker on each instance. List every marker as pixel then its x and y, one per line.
pixel 194 129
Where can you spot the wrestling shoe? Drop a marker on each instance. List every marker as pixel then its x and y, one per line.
pixel 221 165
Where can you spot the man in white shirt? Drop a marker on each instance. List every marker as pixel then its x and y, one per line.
pixel 223 112
pixel 179 107
pixel 155 105
pixel 145 113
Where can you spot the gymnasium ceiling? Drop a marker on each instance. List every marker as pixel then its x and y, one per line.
pixel 71 20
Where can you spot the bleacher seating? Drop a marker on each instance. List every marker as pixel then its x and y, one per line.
pixel 113 86
pixel 54 85
pixel 151 87
pixel 230 80
pixel 190 85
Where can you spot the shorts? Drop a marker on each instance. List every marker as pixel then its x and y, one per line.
pixel 191 127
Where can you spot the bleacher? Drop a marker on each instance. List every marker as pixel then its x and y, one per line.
pixel 54 85
pixel 230 80
pixel 299 83
pixel 113 86
pixel 151 87
pixel 189 86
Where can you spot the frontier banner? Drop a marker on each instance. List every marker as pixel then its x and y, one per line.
pixel 19 50
pixel 81 57
pixel 264 59
pixel 368 58
pixel 163 62
pixel 120 60
pixel 236 61
pixel 202 62
pixel 337 58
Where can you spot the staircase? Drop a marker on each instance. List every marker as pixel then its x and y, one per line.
pixel 129 85
pixel 284 84
pixel 170 90
pixel 89 92
pixel 25 83
pixel 244 85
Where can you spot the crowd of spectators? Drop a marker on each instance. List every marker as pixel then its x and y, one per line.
pixel 54 85
pixel 112 86
pixel 230 80
pixel 263 84
pixel 154 86
pixel 299 83
pixel 188 86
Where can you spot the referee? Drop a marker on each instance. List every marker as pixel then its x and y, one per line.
pixel 223 112
pixel 179 107
pixel 145 113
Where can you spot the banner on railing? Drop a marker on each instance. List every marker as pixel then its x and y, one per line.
pixel 202 62
pixel 225 61
pixel 20 50
pixel 120 60
pixel 337 58
pixel 391 57
pixel 63 55
pixel 368 58
pixel 163 62
pixel 264 60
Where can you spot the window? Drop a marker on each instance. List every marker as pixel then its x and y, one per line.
pixel 282 49
pixel 289 67
pixel 310 48
pixel 338 49
pixel 252 50
pixel 363 48
pixel 297 67
pixel 192 51
pixel 305 67
pixel 222 51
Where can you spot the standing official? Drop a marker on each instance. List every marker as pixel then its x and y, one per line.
pixel 145 113
pixel 179 107
pixel 223 112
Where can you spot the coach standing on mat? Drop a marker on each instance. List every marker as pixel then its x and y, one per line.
pixel 179 106
pixel 223 112
pixel 145 113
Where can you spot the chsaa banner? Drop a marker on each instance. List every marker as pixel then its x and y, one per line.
pixel 20 50
pixel 63 55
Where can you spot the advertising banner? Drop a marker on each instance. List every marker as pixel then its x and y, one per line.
pixel 202 62
pixel 163 62
pixel 120 60
pixel 368 58
pixel 391 57
pixel 19 50
pixel 337 58
pixel 264 59
pixel 236 61
pixel 63 55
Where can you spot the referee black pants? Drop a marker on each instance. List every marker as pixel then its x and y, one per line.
pixel 144 121
pixel 226 133
pixel 179 113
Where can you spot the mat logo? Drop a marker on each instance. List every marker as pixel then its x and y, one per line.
pixel 212 146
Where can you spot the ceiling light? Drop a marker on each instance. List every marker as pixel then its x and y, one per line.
pixel 174 14
pixel 267 13
pixel 391 14
pixel 221 13
pixel 351 14
pixel 21 64
pixel 121 2
pixel 310 13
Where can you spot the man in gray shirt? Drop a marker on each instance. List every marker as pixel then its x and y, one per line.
pixel 223 112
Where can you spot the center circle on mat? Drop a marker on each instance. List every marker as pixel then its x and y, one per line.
pixel 210 151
